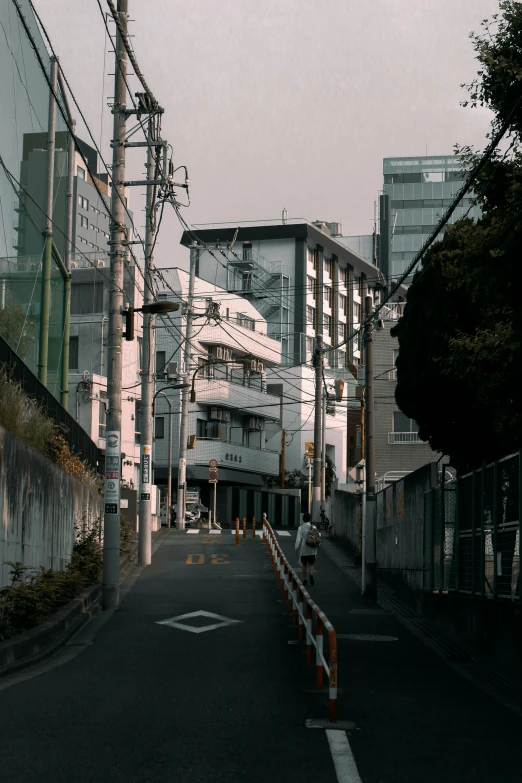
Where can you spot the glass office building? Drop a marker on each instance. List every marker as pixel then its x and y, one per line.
pixel 416 193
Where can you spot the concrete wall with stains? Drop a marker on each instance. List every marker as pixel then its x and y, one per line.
pixel 39 506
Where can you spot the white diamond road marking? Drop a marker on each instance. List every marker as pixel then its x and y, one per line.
pixel 194 532
pixel 173 622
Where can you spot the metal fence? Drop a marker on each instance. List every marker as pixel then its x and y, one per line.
pixel 76 437
pixel 472 529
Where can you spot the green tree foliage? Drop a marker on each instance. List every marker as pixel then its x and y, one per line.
pixel 460 339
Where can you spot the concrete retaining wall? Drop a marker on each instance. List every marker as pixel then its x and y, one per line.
pixel 39 506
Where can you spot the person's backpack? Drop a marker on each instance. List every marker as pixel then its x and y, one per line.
pixel 313 538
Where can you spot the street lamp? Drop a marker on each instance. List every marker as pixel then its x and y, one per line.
pixel 161 307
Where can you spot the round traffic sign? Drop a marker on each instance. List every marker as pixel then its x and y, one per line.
pixel 212 475
pixel 213 463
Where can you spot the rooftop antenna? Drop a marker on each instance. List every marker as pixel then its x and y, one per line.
pixel 285 215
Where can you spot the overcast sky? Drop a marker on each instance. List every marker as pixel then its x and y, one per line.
pixel 283 103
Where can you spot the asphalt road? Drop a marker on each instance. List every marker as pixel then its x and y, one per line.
pixel 150 702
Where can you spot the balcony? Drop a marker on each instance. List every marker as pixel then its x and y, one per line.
pixel 239 396
pixel 404 437
pixel 242 341
pixel 233 455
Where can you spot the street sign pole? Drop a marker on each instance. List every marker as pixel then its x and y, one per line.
pixel 213 479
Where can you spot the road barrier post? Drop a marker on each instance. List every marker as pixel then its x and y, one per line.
pixel 318 654
pixel 244 528
pixel 254 528
pixel 237 531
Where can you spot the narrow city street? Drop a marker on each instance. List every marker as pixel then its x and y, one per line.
pixel 226 693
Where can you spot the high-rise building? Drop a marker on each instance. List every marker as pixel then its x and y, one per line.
pixel 416 193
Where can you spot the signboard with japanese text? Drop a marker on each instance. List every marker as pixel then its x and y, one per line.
pixel 112 472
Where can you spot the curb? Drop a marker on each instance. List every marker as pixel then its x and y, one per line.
pixel 46 638
pixel 30 647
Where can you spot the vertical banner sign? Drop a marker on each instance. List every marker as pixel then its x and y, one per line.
pixel 112 472
pixel 182 472
pixel 146 452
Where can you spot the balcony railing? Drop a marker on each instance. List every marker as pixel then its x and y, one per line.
pixel 239 396
pixel 234 455
pixel 404 437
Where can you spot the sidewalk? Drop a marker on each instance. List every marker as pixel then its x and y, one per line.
pixel 145 701
pixel 417 719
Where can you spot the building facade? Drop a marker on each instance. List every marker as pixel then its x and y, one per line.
pixel 416 193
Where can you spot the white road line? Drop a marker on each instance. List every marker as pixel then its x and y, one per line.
pixel 215 532
pixel 344 762
pixel 282 532
pixel 194 532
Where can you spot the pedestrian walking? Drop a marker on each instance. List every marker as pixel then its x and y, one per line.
pixel 306 544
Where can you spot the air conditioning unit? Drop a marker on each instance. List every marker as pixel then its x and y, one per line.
pixel 191 442
pixel 227 354
pixel 100 262
pixel 251 365
pixel 260 367
pixel 74 264
pixel 254 423
pixel 220 414
pixel 172 371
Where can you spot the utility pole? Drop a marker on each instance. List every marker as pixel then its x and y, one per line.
pixel 323 454
pixel 149 354
pixel 111 534
pixel 182 460
pixel 363 498
pixel 283 448
pixel 318 421
pixel 43 352
pixel 370 586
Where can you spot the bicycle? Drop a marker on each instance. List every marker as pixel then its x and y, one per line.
pixel 325 523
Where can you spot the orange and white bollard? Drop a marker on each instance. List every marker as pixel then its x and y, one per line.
pixel 237 531
pixel 318 654
pixel 254 528
pixel 301 629
pixel 332 696
pixel 244 528
pixel 308 634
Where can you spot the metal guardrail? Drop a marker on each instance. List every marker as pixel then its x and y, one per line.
pixel 297 599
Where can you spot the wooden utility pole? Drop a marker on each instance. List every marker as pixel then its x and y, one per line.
pixel 283 447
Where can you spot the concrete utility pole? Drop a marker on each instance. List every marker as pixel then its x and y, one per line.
pixel 323 454
pixel 147 377
pixel 43 352
pixel 111 535
pixel 182 459
pixel 318 421
pixel 370 587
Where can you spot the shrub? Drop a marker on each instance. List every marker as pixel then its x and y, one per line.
pixel 34 594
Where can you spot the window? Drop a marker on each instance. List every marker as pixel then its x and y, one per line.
pixel 341 331
pixel 159 427
pixel 393 372
pixel 357 312
pixel 102 415
pixel 328 295
pixel 327 324
pixel 344 275
pixel 402 423
pixel 310 315
pixel 201 428
pixel 309 344
pixel 246 322
pixel 328 266
pixel 83 203
pixel 73 353
pixel 311 285
pixel 80 172
pixel 161 358
pixel 86 298
pixel 82 221
pixel 310 256
pixel 343 303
